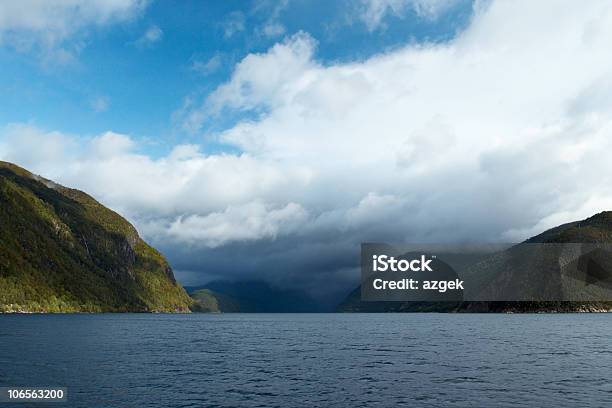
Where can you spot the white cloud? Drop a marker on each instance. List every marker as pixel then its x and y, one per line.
pixel 261 79
pixel 151 36
pixel 30 146
pixel 434 125
pixel 248 222
pixel 273 29
pixel 46 25
pixel 373 12
pixel 100 104
pixel 110 145
pixel 207 67
pixel 233 24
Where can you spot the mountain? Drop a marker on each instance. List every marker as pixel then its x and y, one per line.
pixel 208 301
pixel 595 229
pixel 62 251
pixel 250 297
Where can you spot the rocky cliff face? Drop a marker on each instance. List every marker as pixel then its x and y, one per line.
pixel 62 251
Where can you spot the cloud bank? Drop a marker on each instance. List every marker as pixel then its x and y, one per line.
pixel 494 136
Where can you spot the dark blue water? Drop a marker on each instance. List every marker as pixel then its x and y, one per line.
pixel 428 360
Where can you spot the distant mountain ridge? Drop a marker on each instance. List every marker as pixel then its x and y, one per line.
pixel 62 251
pixel 250 297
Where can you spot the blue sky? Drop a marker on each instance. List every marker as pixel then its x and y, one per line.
pixel 117 82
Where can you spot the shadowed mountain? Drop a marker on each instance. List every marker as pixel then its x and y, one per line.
pixel 593 266
pixel 207 301
pixel 250 296
pixel 62 251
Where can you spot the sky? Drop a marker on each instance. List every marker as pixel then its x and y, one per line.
pixel 267 140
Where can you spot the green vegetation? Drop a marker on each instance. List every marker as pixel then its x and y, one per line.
pixel 62 251
pixel 208 301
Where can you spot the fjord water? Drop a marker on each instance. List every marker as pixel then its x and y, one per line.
pixel 140 360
